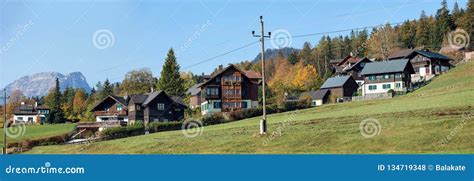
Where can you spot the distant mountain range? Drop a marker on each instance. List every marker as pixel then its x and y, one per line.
pixel 272 53
pixel 39 84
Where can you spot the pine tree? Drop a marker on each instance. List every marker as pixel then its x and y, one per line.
pixel 443 25
pixel 56 114
pixel 467 22
pixel 305 53
pixel 170 80
pixel 107 90
pixel 423 31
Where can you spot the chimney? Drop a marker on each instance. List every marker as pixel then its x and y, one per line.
pixel 352 54
pixel 36 104
pixel 221 67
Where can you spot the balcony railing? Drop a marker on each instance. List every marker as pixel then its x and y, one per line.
pixel 110 113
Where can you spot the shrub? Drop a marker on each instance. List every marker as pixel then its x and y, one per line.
pixel 154 127
pixel 137 128
pixel 213 119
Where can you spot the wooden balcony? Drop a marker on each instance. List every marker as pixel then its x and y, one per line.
pixel 110 113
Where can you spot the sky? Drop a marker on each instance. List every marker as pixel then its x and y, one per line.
pixel 106 39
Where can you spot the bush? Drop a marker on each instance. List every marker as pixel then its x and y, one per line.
pixel 213 119
pixel 154 127
pixel 137 128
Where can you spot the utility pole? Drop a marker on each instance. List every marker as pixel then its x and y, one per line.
pixel 5 121
pixel 263 122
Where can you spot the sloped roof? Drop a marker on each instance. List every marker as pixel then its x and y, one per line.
pixel 179 101
pixel 318 94
pixel 120 100
pixel 400 54
pixel 391 66
pixel 117 99
pixel 138 98
pixel 222 71
pixel 429 54
pixel 335 82
pixel 252 74
pixel 194 90
pixel 151 97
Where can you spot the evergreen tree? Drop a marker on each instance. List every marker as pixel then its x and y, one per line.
pixel 423 31
pixel 305 53
pixel 56 113
pixel 170 80
pixel 443 25
pixel 293 58
pixel 467 22
pixel 107 89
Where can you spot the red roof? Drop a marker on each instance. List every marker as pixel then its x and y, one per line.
pixel 252 74
pixel 349 59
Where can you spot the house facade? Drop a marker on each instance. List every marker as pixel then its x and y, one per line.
pixel 380 77
pixel 341 87
pixel 428 64
pixel 230 89
pixel 112 108
pixel 353 67
pixel 154 107
pixel 26 113
pixel 318 97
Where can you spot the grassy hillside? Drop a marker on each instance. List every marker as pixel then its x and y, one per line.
pixel 36 131
pixel 415 123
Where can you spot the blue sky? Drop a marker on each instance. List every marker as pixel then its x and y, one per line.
pixel 40 36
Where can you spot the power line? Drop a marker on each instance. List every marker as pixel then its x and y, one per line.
pixel 297 36
pixel 220 55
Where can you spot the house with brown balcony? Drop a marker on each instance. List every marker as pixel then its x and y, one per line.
pixel 230 89
pixel 112 108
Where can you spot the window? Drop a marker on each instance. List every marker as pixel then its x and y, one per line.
pixel 386 86
pixel 372 87
pixel 107 109
pixel 372 77
pixel 217 105
pixel 398 85
pixel 398 75
pixel 119 107
pixel 386 76
pixel 139 108
pixel 212 91
pixel 161 106
pixel 244 104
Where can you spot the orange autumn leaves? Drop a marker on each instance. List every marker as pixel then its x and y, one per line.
pixel 290 78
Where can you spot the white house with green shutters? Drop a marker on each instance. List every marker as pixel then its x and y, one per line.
pixel 381 77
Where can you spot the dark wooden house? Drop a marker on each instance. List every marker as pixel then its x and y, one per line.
pixel 112 108
pixel 428 64
pixel 230 89
pixel 156 106
pixel 342 87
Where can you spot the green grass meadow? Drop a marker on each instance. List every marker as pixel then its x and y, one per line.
pixel 434 119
